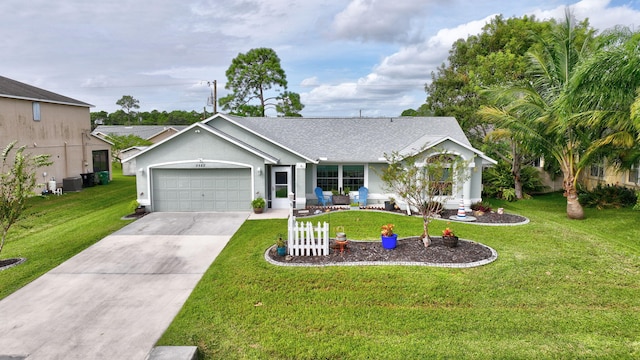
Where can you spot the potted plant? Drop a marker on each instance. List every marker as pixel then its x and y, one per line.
pixel 340 198
pixel 390 205
pixel 389 239
pixel 282 249
pixel 137 208
pixel 258 205
pixel 449 238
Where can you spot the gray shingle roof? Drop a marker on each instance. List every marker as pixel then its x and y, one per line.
pixel 143 131
pixel 16 90
pixel 354 139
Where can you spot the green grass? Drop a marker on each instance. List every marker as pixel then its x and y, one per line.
pixel 55 228
pixel 560 289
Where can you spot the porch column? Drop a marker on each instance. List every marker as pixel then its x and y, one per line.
pixel 466 187
pixel 301 185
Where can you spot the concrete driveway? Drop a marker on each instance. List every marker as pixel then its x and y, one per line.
pixel 115 299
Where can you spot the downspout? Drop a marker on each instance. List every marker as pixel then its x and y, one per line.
pixel 66 164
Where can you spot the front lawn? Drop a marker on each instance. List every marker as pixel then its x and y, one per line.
pixel 55 228
pixel 559 289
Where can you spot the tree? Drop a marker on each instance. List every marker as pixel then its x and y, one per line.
pixel 547 112
pixel 249 77
pixel 424 180
pixel 17 181
pixel 423 110
pixel 122 142
pixel 495 56
pixel 127 102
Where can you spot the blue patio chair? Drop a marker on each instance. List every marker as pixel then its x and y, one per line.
pixel 361 198
pixel 322 200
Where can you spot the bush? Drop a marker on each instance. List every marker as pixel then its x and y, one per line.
pixel 608 196
pixel 498 182
pixel 481 206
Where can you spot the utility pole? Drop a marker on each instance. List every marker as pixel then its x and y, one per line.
pixel 213 100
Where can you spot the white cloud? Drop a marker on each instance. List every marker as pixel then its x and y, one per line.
pixel 342 57
pixel 374 20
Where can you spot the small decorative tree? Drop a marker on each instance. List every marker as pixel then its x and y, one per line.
pixel 17 181
pixel 425 180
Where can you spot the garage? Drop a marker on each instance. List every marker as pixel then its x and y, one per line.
pixel 201 190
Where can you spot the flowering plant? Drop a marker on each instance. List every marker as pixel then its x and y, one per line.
pixel 387 230
pixel 448 232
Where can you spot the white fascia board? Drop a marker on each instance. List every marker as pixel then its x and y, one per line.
pixel 266 138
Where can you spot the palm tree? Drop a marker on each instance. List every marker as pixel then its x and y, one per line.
pixel 539 111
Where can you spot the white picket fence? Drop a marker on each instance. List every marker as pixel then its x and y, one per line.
pixel 307 240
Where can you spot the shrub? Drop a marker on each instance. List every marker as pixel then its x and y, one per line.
pixel 608 196
pixel 498 182
pixel 481 206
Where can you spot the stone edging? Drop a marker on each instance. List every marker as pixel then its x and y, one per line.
pixel 492 258
pixel 524 222
pixel 20 261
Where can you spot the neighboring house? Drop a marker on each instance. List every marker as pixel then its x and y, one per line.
pixel 602 173
pixel 129 167
pixel 49 123
pixel 153 133
pixel 222 163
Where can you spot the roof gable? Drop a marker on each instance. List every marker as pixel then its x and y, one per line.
pixel 217 132
pixel 143 131
pixel 16 90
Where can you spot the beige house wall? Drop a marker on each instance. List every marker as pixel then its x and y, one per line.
pixel 63 131
pixel 612 176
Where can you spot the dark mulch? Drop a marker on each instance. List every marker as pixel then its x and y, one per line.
pixel 408 250
pixel 7 263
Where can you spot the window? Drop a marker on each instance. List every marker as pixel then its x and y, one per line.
pixel 442 183
pixel 336 177
pixel 597 169
pixel 440 174
pixel 634 174
pixel 100 160
pixel 352 176
pixel 36 111
pixel 327 177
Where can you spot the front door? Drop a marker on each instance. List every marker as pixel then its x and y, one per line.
pixel 280 187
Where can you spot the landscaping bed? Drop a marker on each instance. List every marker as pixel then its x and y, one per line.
pixel 408 251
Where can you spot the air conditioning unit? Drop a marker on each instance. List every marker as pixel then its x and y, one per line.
pixel 72 184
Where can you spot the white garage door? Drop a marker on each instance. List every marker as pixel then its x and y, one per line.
pixel 201 190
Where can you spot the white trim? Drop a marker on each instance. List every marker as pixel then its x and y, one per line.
pixel 211 130
pixel 408 152
pixel 260 136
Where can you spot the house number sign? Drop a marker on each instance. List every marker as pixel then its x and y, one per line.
pixel 200 165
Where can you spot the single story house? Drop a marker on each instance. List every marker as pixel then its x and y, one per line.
pixel 153 133
pixel 223 162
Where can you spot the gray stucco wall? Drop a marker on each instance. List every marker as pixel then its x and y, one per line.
pixel 196 150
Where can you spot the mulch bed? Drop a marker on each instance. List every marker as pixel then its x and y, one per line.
pixel 407 250
pixel 7 263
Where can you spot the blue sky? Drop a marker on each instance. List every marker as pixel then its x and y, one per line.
pixel 345 58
